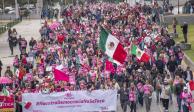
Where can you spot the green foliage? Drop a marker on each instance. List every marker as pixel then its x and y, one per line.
pixel 26 13
pixel 23 2
pixel 3 28
pixel 20 2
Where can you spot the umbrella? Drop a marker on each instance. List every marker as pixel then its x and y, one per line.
pixel 5 80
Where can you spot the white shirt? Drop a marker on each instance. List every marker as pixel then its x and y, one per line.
pixel 165 90
pixel 188 76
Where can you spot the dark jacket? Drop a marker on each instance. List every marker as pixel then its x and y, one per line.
pixel 179 72
pixel 124 94
pixel 160 65
pixel 178 89
pixel 190 73
pixel 185 28
pixel 172 65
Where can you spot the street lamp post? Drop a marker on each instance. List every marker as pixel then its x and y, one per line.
pixel 16 9
pixel 178 7
pixel 3 6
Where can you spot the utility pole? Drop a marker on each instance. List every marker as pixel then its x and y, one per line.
pixel 16 9
pixel 28 5
pixel 3 6
pixel 178 7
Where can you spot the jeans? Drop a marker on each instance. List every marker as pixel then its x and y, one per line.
pixel 133 106
pixel 185 37
pixel 165 103
pixel 124 105
pixel 11 49
pixel 185 108
pixel 171 101
pixel 158 92
pixel 147 102
pixel 179 102
pixel 140 99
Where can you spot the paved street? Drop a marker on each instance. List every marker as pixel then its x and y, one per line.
pixel 29 28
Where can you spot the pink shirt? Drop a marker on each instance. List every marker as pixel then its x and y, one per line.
pixel 132 95
pixel 147 89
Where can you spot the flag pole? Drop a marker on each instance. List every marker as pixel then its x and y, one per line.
pixel 98 50
pixel 97 64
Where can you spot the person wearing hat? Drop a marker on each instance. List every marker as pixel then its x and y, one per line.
pixel 165 95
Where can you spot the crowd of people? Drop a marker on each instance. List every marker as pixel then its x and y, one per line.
pixel 73 45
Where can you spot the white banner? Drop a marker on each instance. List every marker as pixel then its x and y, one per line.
pixel 71 101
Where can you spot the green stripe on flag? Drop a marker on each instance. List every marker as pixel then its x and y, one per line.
pixel 133 49
pixel 103 37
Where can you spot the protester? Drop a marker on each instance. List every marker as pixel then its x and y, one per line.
pixel 132 97
pixel 124 91
pixel 178 84
pixel 148 89
pixel 32 43
pixel 186 99
pixel 10 40
pixel 1 64
pixel 157 85
pixel 8 72
pixel 185 31
pixel 174 24
pixel 188 75
pixel 165 95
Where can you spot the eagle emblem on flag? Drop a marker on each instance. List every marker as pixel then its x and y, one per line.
pixel 111 45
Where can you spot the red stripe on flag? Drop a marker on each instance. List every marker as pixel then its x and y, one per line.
pixel 120 54
pixel 145 57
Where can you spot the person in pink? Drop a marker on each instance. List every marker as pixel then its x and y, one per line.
pixel 132 97
pixel 148 89
pixel 186 97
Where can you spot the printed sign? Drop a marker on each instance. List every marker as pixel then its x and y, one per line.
pixel 71 101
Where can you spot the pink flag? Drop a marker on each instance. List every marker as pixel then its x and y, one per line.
pixel 60 75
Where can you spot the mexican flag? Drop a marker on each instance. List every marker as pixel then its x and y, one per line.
pixel 141 55
pixel 111 46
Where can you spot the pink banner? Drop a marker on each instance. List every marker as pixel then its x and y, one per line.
pixel 6 104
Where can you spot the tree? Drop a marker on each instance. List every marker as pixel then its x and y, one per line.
pixel 20 2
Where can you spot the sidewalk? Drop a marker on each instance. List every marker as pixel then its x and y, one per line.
pixel 27 29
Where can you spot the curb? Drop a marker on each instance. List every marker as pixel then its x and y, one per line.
pixel 188 61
